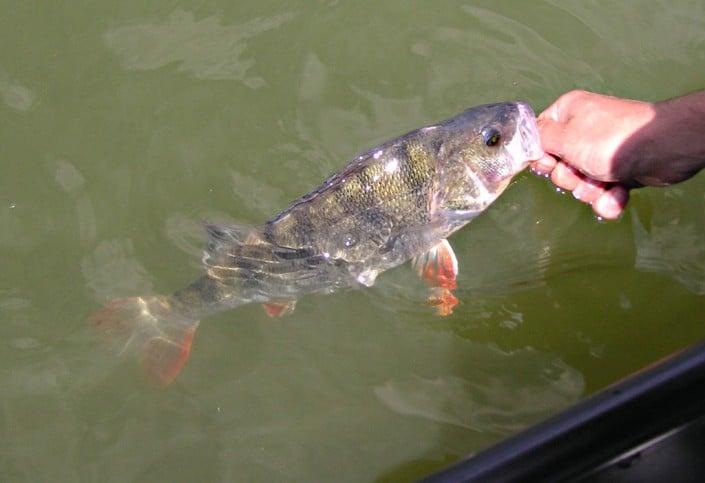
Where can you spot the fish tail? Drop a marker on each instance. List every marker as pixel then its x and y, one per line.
pixel 153 329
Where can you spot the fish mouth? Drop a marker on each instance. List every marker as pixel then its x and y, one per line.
pixel 528 133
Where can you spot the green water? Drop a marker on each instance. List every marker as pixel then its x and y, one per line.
pixel 123 124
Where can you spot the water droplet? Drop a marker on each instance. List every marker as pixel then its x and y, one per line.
pixel 624 302
pixel 349 240
pixel 559 190
pixel 597 351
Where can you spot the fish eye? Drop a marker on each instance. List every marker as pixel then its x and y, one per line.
pixel 491 136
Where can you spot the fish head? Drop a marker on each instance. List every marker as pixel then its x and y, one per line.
pixel 482 149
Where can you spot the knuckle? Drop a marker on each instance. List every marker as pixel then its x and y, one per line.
pixel 574 95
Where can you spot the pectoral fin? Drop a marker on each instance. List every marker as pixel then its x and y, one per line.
pixel 279 309
pixel 438 267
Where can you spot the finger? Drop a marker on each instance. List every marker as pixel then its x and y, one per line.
pixel 612 202
pixel 552 136
pixel 544 165
pixel 560 110
pixel 552 113
pixel 588 190
pixel 565 177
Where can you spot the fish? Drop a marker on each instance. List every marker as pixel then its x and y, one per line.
pixel 394 203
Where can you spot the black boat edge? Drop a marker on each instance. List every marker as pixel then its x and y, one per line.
pixel 625 432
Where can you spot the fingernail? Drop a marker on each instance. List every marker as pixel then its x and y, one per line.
pixel 544 165
pixel 579 191
pixel 550 113
pixel 611 204
pixel 619 199
pixel 584 187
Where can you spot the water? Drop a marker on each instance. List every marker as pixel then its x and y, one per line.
pixel 122 127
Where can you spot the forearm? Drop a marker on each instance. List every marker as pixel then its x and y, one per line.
pixel 672 147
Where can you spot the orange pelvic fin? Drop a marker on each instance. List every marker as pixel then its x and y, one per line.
pixel 438 267
pixel 279 309
pixel 443 300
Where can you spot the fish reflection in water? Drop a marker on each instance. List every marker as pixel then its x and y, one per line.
pixel 487 398
pixel 672 240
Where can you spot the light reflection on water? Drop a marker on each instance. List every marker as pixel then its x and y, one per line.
pixel 122 130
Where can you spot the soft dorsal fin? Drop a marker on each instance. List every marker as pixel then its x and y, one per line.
pixel 220 236
pixel 243 256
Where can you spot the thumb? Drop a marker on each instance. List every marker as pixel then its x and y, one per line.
pixel 552 136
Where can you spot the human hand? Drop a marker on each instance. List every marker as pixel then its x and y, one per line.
pixel 591 150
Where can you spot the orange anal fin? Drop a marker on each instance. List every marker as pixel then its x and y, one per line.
pixel 163 358
pixel 438 267
pixel 279 309
pixel 443 300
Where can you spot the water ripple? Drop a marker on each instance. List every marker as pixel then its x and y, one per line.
pixel 204 48
pixel 112 269
pixel 15 95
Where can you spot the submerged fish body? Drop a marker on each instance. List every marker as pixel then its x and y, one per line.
pixel 393 203
pixel 386 206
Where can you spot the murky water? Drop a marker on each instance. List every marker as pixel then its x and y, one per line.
pixel 123 125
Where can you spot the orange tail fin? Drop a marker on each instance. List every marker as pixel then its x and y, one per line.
pixel 163 358
pixel 151 328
